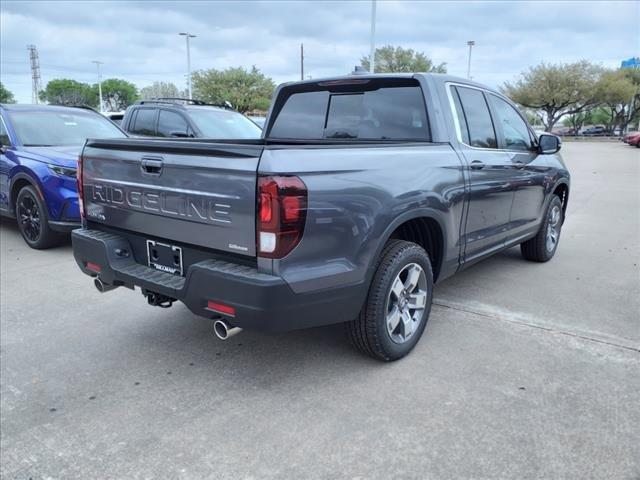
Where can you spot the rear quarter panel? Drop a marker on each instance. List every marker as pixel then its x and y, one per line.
pixel 357 196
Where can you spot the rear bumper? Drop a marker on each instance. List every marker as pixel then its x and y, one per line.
pixel 261 302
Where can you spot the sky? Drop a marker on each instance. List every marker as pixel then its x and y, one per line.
pixel 139 42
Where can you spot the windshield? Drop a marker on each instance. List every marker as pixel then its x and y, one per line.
pixel 221 124
pixel 55 128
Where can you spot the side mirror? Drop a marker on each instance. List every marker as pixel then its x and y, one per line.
pixel 548 144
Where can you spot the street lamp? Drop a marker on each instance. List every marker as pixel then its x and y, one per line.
pixel 98 63
pixel 187 35
pixel 471 43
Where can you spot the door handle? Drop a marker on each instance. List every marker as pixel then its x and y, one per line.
pixel 519 164
pixel 151 166
pixel 477 165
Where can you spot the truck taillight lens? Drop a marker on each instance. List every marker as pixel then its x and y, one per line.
pixel 282 212
pixel 80 189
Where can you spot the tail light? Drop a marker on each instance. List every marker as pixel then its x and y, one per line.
pixel 282 212
pixel 80 189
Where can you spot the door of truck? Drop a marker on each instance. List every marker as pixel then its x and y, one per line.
pixel 490 187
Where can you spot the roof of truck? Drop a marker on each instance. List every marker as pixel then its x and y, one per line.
pixel 438 77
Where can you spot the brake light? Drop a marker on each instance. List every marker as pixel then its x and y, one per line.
pixel 282 212
pixel 80 189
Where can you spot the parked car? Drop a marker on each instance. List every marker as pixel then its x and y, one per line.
pixel 632 138
pixel 179 117
pixel 115 117
pixel 40 148
pixel 363 192
pixel 563 132
pixel 596 131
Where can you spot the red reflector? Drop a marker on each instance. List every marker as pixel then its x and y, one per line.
pixel 220 308
pixel 94 267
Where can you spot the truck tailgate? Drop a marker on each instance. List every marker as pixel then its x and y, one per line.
pixel 199 193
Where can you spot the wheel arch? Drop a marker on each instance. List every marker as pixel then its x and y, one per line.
pixel 422 226
pixel 561 188
pixel 18 181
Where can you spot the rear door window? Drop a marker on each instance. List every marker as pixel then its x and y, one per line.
pixel 478 119
pixel 172 124
pixel 145 122
pixel 372 113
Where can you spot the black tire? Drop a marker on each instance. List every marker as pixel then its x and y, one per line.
pixel 539 249
pixel 369 332
pixel 33 220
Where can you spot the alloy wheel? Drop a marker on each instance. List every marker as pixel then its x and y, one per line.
pixel 29 217
pixel 406 303
pixel 553 229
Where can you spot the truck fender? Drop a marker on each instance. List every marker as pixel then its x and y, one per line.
pixel 399 220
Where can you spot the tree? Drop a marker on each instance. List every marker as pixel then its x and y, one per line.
pixel 397 59
pixel 5 95
pixel 577 120
pixel 246 89
pixel 117 94
pixel 161 89
pixel 617 93
pixel 556 89
pixel 63 91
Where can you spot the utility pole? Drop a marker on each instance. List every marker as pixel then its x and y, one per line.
pixel 302 61
pixel 372 51
pixel 187 35
pixel 35 73
pixel 471 43
pixel 98 63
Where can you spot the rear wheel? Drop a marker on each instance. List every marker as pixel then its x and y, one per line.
pixel 398 304
pixel 33 221
pixel 543 246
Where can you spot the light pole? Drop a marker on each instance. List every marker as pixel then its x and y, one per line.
pixel 187 35
pixel 372 51
pixel 471 43
pixel 98 63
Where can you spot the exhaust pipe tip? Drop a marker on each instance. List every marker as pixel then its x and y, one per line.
pixel 224 331
pixel 103 287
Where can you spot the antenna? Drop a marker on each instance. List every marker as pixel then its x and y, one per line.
pixel 36 85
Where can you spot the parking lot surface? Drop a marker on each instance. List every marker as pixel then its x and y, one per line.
pixel 525 370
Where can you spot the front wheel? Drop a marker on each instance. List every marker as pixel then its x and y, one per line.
pixel 397 307
pixel 543 246
pixel 33 221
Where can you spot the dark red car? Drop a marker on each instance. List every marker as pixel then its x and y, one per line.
pixel 632 138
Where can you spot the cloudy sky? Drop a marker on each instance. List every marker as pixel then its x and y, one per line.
pixel 138 41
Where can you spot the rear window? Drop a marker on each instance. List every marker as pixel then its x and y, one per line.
pixel 369 110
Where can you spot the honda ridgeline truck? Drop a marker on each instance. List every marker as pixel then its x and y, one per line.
pixel 362 193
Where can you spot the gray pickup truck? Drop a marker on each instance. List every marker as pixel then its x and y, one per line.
pixel 362 193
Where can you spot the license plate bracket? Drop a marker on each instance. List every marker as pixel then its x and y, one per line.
pixel 164 257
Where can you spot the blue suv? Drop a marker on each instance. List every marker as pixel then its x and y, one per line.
pixel 38 159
